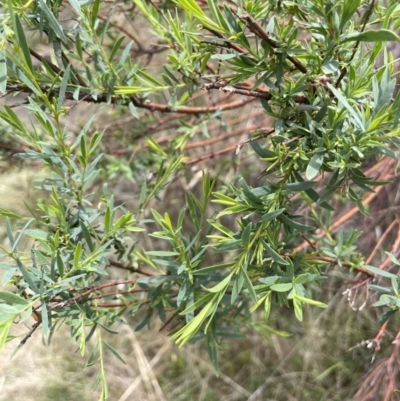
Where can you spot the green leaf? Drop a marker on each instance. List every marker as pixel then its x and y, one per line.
pixel 246 236
pixel 53 21
pixel 45 319
pixel 92 355
pixel 349 8
pixel 249 194
pixel 222 285
pixel 87 235
pixel 237 285
pixel 114 351
pixel 170 74
pixel 259 326
pixel 3 72
pixel 75 5
pixel 393 259
pixel 262 152
pixel 7 213
pixel 213 4
pixel 298 309
pixel 234 209
pixel 224 56
pixel 395 285
pixel 299 186
pixel 379 272
pixel 313 195
pixel 187 332
pixel 156 280
pixel 194 8
pixel 4 330
pixel 197 304
pixel 63 87
pixel 23 43
pixel 386 151
pixel 133 110
pixel 212 351
pixel 60 265
pixel 273 254
pixel 283 287
pixel 311 301
pixel 37 234
pixel 115 48
pixel 207 270
pixel 382 35
pixel 13 119
pixel 162 253
pixel 271 215
pixel 12 298
pixel 249 286
pixel 294 224
pixel 77 254
pixel 345 103
pixel 131 90
pixel 95 11
pixel 267 305
pixel 314 166
pixel 107 220
pixel 28 277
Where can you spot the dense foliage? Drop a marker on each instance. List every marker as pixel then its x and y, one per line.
pixel 82 256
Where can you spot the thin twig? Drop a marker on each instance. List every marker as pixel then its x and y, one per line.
pixel 131 269
pixel 355 47
pixel 247 92
pixel 211 155
pixel 130 35
pixel 167 322
pixel 264 134
pixel 31 331
pixel 379 243
pixel 111 304
pixel 139 103
pixel 42 59
pixel 345 264
pixel 230 44
pixel 256 28
pixel 87 292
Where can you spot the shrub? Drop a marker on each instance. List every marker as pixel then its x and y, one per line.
pixel 324 141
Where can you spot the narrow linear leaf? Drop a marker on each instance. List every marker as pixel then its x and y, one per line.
pixel 295 224
pixel 311 301
pixel 299 186
pixel 382 35
pixel 271 215
pixel 63 87
pixel 12 298
pixel 7 213
pixel 345 103
pixel 379 272
pixel 3 72
pixel 248 284
pixel 221 286
pixel 28 277
pixel 314 166
pixel 45 319
pixel 53 21
pixel 114 351
pixel 23 43
pixel 274 255
pixel 283 287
